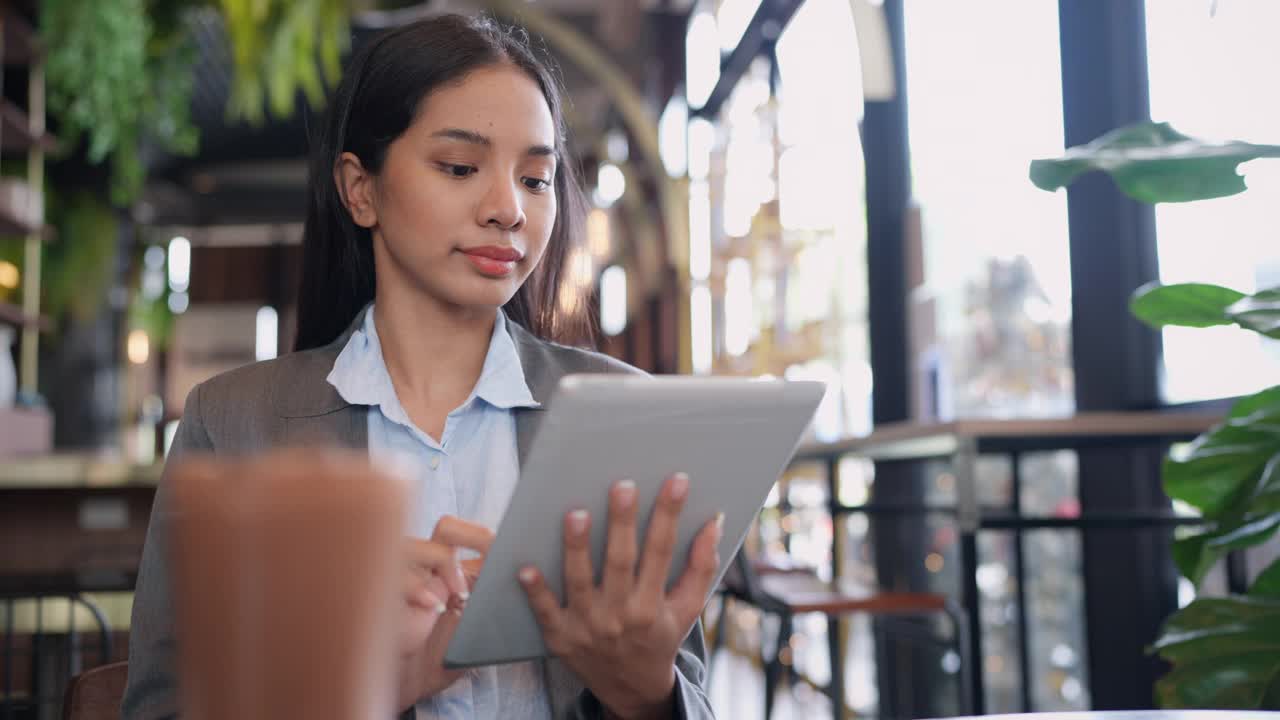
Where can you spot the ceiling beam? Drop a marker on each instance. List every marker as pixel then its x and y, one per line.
pixel 761 34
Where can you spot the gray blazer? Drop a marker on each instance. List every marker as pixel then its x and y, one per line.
pixel 287 401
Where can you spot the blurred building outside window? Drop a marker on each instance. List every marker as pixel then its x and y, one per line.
pixel 990 312
pixel 1210 70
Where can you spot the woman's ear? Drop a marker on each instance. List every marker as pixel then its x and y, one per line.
pixel 355 185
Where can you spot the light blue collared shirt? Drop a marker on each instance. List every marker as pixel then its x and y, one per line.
pixel 470 473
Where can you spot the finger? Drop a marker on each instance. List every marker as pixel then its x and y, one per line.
pixel 690 592
pixel 424 599
pixel 579 579
pixel 417 588
pixel 546 608
pixel 438 645
pixel 660 541
pixel 455 531
pixel 429 559
pixel 471 570
pixel 620 558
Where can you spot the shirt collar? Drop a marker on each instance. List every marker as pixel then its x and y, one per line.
pixel 360 374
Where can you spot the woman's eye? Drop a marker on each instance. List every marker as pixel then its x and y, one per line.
pixel 459 171
pixel 536 184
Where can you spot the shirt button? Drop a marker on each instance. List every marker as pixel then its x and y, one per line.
pixel 435 462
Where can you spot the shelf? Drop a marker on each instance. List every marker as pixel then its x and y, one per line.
pixel 15 131
pixel 13 315
pixel 21 45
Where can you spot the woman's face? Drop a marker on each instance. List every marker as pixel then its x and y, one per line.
pixel 463 207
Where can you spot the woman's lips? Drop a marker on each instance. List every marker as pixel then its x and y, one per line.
pixel 494 261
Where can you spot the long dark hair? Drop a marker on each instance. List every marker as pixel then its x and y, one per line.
pixel 379 97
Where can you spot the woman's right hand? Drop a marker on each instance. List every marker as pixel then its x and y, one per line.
pixel 436 588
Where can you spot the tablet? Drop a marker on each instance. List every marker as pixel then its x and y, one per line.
pixel 732 436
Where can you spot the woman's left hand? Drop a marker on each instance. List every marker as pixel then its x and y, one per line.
pixel 621 638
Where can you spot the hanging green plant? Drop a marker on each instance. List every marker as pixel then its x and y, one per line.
pixel 279 47
pixel 119 72
pixel 117 80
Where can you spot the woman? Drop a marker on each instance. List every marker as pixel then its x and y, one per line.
pixel 442 206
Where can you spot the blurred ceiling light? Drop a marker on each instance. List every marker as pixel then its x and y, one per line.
pixel 613 300
pixel 138 347
pixel 702 58
pixel 616 146
pixel 672 127
pixel 154 257
pixel 178 303
pixel 152 284
pixel 738 310
pixel 702 139
pixel 733 17
pixel 700 329
pixel 9 275
pixel 610 185
pixel 179 264
pixel 599 242
pixel 266 338
pixel 582 269
pixel 699 230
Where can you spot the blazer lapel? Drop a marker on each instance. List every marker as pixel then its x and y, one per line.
pixel 542 371
pixel 313 411
pixel 541 374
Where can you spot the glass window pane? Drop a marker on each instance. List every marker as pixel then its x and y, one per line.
pixel 991 316
pixel 991 321
pixel 1211 77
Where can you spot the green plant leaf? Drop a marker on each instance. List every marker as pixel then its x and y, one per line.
pixel 1267 583
pixel 1220 467
pixel 1265 401
pixel 1193 556
pixel 1152 162
pixel 1259 312
pixel 1185 304
pixel 1225 654
pixel 1246 534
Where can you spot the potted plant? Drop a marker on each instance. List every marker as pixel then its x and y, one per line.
pixel 1224 651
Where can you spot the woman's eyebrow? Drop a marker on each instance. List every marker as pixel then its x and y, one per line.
pixel 474 138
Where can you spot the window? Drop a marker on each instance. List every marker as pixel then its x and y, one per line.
pixel 990 314
pixel 991 321
pixel 1211 75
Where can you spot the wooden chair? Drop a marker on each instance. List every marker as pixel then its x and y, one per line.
pixel 39 655
pixel 96 694
pixel 788 590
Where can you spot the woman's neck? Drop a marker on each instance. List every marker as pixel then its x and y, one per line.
pixel 433 353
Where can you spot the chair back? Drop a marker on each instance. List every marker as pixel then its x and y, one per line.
pixel 96 694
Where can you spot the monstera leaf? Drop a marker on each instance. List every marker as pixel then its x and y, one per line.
pixel 1152 162
pixel 1225 654
pixel 1232 475
pixel 1202 305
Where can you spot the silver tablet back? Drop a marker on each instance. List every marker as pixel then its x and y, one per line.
pixel 732 436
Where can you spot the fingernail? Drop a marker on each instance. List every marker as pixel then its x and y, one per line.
pixel 626 490
pixel 440 608
pixel 578 521
pixel 464 596
pixel 528 575
pixel 679 486
pixel 719 524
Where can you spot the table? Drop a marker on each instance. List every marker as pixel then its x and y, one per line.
pixel 962 442
pixel 1138 715
pixel 71 523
